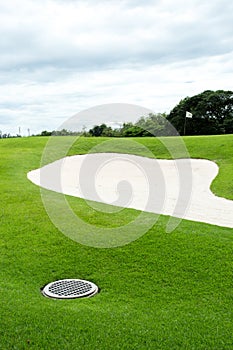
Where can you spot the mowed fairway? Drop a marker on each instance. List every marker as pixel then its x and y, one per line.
pixel 163 291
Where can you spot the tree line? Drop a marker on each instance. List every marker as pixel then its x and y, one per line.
pixel 153 124
pixel 7 135
pixel 212 113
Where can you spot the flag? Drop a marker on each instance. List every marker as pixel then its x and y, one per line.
pixel 189 115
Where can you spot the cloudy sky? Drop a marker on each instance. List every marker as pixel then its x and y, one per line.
pixel 59 57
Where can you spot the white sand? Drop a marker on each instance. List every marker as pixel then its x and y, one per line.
pixel 178 188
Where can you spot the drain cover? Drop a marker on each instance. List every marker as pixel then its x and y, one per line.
pixel 70 289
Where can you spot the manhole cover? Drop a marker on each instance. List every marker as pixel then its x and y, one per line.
pixel 70 289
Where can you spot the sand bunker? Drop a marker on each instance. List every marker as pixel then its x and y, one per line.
pixel 179 188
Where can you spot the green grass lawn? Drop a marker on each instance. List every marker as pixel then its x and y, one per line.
pixel 163 291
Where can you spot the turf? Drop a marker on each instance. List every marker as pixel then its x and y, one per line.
pixel 162 291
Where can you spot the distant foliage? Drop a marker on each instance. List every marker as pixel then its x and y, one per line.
pixel 101 130
pixel 152 125
pixel 7 136
pixel 62 132
pixel 212 113
pixel 156 125
pixel 46 133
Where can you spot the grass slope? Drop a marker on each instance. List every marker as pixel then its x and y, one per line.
pixel 163 291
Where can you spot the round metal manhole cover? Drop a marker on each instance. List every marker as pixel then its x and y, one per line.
pixel 70 289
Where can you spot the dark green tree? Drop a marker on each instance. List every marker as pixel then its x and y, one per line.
pixel 212 113
pixel 98 130
pixel 46 133
pixel 131 130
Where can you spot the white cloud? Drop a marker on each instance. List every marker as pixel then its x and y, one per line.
pixel 58 57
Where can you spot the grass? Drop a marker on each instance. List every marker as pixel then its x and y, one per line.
pixel 163 291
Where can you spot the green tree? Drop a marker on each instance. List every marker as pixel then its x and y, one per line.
pixel 212 113
pixel 46 133
pixel 131 130
pixel 99 130
pixel 155 125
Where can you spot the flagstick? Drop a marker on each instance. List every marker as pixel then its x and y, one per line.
pixel 185 125
pixel 187 115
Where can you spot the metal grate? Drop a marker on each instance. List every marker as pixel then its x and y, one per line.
pixel 70 289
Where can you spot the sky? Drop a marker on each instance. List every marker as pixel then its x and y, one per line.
pixel 60 57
